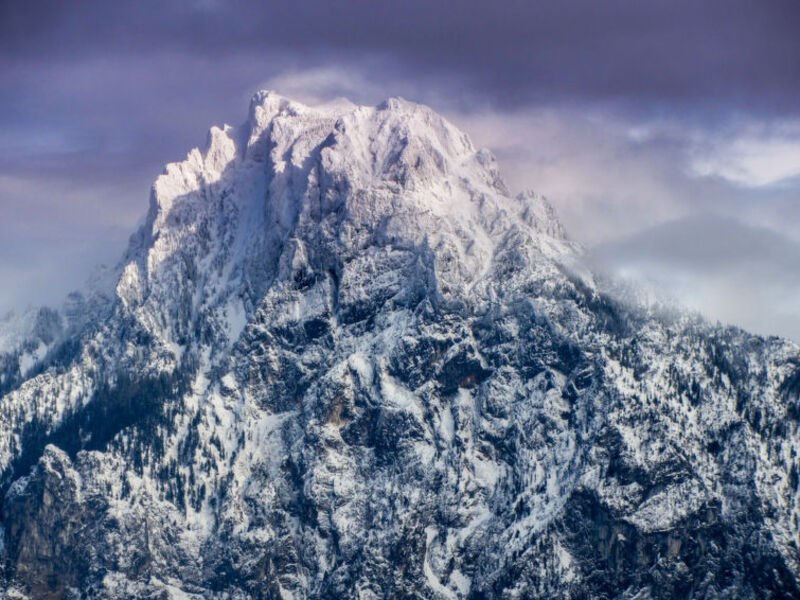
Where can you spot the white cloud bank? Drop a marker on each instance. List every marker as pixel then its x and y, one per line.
pixel 754 159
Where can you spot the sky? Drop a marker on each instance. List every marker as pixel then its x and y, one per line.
pixel 667 134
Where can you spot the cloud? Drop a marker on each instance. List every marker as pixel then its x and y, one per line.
pixel 603 183
pixel 655 53
pixel 325 83
pixel 754 159
pixel 729 270
pixel 53 232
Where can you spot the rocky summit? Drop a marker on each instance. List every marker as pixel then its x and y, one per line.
pixel 340 360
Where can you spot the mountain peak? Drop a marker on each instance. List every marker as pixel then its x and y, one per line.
pixel 397 135
pixel 298 188
pixel 342 361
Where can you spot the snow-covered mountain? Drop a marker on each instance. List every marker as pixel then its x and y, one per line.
pixel 340 360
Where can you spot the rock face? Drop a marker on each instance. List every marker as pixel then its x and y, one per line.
pixel 341 361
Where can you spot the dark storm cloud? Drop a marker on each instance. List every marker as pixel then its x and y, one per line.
pixel 740 51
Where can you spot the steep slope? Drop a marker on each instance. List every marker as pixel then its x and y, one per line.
pixel 342 361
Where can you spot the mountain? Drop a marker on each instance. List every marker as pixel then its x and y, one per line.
pixel 340 360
